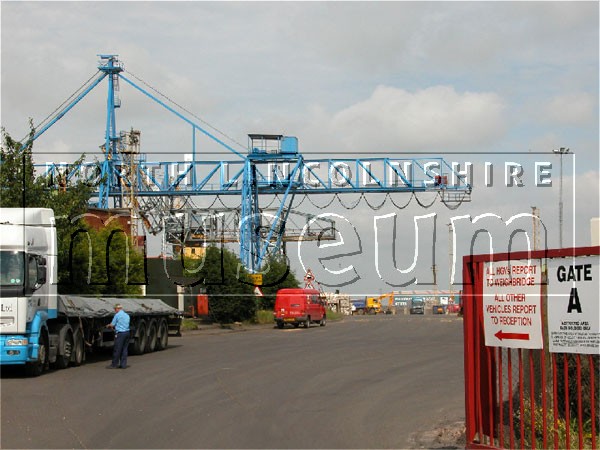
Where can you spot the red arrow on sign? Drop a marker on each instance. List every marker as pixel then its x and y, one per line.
pixel 520 336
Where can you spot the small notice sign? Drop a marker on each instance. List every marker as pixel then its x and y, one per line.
pixel 512 314
pixel 573 310
pixel 256 278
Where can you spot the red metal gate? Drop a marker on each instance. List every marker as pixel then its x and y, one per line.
pixel 525 398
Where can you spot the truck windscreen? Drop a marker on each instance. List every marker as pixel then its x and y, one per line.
pixel 12 268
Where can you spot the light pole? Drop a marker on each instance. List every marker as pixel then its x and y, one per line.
pixel 535 212
pixel 562 151
pixel 450 255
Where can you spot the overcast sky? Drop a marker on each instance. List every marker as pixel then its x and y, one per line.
pixel 468 81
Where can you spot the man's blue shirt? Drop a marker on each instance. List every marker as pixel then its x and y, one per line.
pixel 121 321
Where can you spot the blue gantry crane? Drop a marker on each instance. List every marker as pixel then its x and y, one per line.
pixel 270 165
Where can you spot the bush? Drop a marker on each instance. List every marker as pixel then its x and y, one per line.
pixel 264 317
pixel 586 392
pixel 560 430
pixel 188 325
pixel 226 282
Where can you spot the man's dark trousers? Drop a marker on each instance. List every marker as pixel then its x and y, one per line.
pixel 120 349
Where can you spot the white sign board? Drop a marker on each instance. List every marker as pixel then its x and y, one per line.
pixel 512 315
pixel 573 310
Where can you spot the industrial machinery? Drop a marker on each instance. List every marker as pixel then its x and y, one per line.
pixel 162 194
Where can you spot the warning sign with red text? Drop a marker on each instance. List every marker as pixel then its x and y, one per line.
pixel 512 315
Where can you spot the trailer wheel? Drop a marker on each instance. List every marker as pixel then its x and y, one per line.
pixel 139 343
pixel 163 335
pixel 78 349
pixel 64 357
pixel 35 369
pixel 152 335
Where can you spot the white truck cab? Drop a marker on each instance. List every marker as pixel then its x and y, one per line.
pixel 28 275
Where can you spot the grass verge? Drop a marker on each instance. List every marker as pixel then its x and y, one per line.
pixel 188 324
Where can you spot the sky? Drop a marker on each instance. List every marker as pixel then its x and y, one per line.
pixel 497 82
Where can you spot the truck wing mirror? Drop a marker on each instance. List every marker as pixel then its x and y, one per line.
pixel 41 275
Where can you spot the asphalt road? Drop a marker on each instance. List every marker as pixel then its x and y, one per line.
pixel 365 382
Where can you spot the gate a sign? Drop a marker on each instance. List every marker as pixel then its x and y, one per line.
pixel 512 315
pixel 573 311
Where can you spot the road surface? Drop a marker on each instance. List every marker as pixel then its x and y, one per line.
pixel 365 382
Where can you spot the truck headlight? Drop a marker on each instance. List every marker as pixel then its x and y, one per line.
pixel 17 342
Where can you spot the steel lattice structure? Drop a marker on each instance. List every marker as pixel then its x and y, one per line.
pixel 271 165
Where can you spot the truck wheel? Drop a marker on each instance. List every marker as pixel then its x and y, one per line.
pixel 280 325
pixel 35 369
pixel 360 312
pixel 163 335
pixel 64 358
pixel 323 321
pixel 307 323
pixel 152 334
pixel 139 343
pixel 296 324
pixel 78 349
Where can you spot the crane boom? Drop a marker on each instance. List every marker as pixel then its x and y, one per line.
pixel 272 165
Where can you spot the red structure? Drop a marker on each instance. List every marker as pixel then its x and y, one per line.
pixel 121 218
pixel 525 397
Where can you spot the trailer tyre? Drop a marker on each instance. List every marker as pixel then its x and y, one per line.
pixel 35 369
pixel 65 351
pixel 139 343
pixel 78 349
pixel 163 335
pixel 152 337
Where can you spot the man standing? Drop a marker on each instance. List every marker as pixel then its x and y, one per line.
pixel 120 323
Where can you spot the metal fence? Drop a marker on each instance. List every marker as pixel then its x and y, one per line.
pixel 521 397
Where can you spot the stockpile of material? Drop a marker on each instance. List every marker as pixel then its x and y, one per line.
pixel 339 302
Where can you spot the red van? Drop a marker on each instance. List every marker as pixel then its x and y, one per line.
pixel 296 306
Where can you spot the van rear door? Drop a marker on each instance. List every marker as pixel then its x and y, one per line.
pixel 289 306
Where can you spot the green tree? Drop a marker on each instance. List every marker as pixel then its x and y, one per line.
pixel 69 203
pixel 230 294
pixel 278 276
pixel 114 268
pixel 20 187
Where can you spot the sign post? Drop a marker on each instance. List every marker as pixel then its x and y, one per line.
pixel 512 315
pixel 573 307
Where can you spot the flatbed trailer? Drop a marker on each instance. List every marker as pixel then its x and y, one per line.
pixel 152 321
